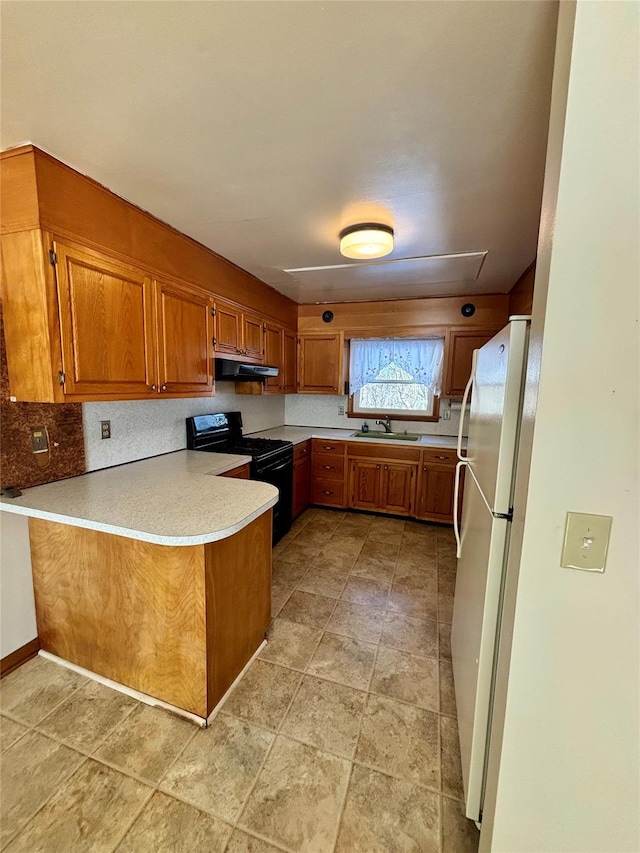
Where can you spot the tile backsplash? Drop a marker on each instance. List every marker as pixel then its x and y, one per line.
pixel 141 428
pixel 322 410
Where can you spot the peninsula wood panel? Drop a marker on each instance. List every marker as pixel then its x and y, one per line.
pixel 131 611
pixel 185 349
pixel 75 206
pixel 238 595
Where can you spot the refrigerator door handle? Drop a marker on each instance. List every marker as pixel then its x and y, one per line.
pixel 456 491
pixel 465 400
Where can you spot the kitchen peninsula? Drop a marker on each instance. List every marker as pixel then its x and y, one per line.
pixel 155 574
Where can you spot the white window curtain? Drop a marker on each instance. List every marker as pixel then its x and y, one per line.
pixel 420 357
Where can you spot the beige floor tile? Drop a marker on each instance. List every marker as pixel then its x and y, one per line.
pixel 36 688
pixel 450 763
pixel 447 692
pixel 311 537
pixel 169 826
pixel 299 554
pixel 413 602
pixel 343 660
pixel 401 740
pixel 354 620
pixel 219 766
pixel 418 552
pixel 357 521
pixel 326 715
pixel 447 562
pixel 290 643
pixel 285 574
pixel 459 835
pixel 385 815
pixel 298 796
pixel 420 530
pixel 367 592
pixel 264 694
pixel 418 576
pixel 342 546
pixel 308 609
pixel 10 732
pixel 90 812
pixel 445 608
pixel 241 842
pixel 321 581
pixel 382 525
pixel 31 770
pixel 377 570
pixel 406 677
pixel 380 550
pixel 446 583
pixel 444 641
pixel 279 597
pixel 417 636
pixel 88 716
pixel 146 742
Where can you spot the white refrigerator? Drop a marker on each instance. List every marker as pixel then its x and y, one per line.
pixel 496 386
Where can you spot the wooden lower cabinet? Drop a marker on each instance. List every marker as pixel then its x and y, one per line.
pixel 242 472
pixel 435 492
pixel 176 623
pixel 382 486
pixel 364 484
pixel 301 478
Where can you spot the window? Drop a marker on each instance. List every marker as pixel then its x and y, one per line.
pixel 398 377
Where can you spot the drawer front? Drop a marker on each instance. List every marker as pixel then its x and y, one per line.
pixel 301 450
pixel 329 492
pixel 239 473
pixel 327 466
pixel 440 457
pixel 322 445
pixel 379 450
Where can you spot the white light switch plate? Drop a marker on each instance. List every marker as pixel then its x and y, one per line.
pixel 586 541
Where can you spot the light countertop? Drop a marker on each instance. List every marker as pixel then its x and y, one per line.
pixel 173 499
pixel 297 434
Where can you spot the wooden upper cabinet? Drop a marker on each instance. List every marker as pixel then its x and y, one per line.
pixel 253 337
pixel 106 324
pixel 185 350
pixel 320 360
pixel 289 362
pixel 273 346
pixel 397 488
pixel 460 346
pixel 228 326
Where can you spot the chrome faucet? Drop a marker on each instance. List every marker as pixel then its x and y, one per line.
pixel 386 423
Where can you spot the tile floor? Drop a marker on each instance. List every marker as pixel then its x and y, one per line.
pixel 341 737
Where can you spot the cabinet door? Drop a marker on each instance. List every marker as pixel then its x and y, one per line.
pixel 364 487
pixel 185 352
pixel 397 488
pixel 228 328
pixel 289 362
pixel 273 346
pixel 301 485
pixel 435 493
pixel 461 345
pixel 107 326
pixel 320 364
pixel 252 337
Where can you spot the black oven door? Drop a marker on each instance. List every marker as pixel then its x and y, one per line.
pixel 280 476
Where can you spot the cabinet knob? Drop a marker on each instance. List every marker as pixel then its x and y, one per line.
pixel 328 467
pixel 335 387
pixel 164 388
pixel 386 467
pixel 377 466
pixel 154 387
pixel 325 492
pixel 442 457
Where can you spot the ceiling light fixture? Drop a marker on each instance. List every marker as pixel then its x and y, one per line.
pixel 369 240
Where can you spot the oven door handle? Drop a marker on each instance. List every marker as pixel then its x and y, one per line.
pixel 274 470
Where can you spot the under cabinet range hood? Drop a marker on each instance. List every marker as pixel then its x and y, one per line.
pixel 236 371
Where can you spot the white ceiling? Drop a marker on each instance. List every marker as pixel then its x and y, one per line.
pixel 262 129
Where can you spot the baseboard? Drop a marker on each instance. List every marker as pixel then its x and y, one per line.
pixel 20 656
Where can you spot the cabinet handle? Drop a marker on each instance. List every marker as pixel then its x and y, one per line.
pixel 424 469
pixel 329 467
pixel 328 447
pixel 386 467
pixel 164 388
pixel 154 388
pixel 335 387
pixel 326 492
pixel 377 466
pixel 441 457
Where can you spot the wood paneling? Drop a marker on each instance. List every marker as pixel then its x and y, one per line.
pixel 320 359
pixel 75 206
pixel 20 211
pixel 242 472
pixel 128 610
pixel 521 294
pixel 459 354
pixel 107 325
pixel 238 595
pixel 393 316
pixel 20 656
pixel 185 349
pixel 397 488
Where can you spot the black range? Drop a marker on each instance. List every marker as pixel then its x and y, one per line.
pixel 271 459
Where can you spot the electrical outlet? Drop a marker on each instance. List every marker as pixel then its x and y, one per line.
pixel 105 429
pixel 446 415
pixel 341 410
pixel 39 440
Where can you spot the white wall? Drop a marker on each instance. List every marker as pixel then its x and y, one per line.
pixel 17 606
pixel 322 410
pixel 565 760
pixel 141 428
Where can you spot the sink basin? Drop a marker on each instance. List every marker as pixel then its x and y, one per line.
pixel 396 436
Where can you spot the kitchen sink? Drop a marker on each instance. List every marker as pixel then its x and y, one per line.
pixel 396 436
